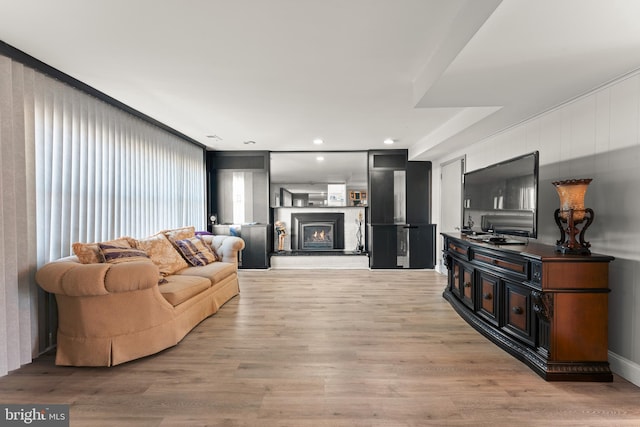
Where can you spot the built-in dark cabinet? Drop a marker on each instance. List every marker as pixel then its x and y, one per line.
pixel 402 246
pixel 244 174
pixel 259 241
pixel 401 235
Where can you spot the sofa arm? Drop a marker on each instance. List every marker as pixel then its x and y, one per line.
pixel 227 247
pixel 75 279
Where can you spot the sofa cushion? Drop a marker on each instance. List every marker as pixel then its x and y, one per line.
pixel 89 253
pixel 162 253
pixel 215 272
pixel 178 289
pixel 195 252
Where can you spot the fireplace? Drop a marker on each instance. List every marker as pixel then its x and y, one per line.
pixel 317 231
pixel 316 236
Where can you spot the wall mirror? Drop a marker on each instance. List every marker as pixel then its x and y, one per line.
pixel 302 179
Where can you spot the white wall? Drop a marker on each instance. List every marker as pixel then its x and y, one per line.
pixel 596 136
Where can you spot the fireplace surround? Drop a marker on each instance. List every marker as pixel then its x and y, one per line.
pixel 317 231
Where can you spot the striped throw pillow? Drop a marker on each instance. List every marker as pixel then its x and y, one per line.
pixel 115 254
pixel 89 253
pixel 195 251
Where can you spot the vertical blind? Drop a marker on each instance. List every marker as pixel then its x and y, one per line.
pixel 102 173
pixel 18 296
pixel 75 168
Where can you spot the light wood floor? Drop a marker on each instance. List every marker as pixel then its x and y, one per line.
pixel 326 348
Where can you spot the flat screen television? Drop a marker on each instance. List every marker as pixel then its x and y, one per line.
pixel 503 198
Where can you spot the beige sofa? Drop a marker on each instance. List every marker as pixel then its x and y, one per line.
pixel 110 313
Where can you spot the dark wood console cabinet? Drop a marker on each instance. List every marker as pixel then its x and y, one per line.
pixel 547 309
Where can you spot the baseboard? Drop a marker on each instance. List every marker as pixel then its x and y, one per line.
pixel 320 262
pixel 440 268
pixel 627 369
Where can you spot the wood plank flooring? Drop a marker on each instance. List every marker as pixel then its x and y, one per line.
pixel 315 348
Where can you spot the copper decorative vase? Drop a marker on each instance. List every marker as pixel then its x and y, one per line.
pixel 571 215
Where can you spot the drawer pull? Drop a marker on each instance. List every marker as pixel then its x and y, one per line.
pixel 467 284
pixel 487 295
pixel 517 310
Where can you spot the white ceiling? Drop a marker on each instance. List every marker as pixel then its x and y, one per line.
pixel 434 75
pixel 300 171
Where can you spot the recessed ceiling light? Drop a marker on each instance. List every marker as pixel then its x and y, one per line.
pixel 318 141
pixel 249 142
pixel 216 137
pixel 389 141
pixel 320 158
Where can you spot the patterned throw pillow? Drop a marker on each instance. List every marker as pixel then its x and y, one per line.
pixel 180 233
pixel 195 251
pixel 115 254
pixel 89 253
pixel 162 253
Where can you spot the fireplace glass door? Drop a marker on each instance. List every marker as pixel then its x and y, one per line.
pixel 317 236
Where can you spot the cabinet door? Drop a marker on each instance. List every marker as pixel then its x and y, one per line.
pixel 454 278
pixel 383 247
pixel 467 286
pixel 257 246
pixel 381 193
pixel 418 192
pixel 488 296
pixel 422 246
pixel 518 312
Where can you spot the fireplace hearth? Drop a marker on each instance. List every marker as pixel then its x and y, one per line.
pixel 317 231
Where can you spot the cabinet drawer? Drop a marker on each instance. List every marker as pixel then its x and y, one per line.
pixel 458 249
pixel 513 265
pixel 488 296
pixel 518 312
